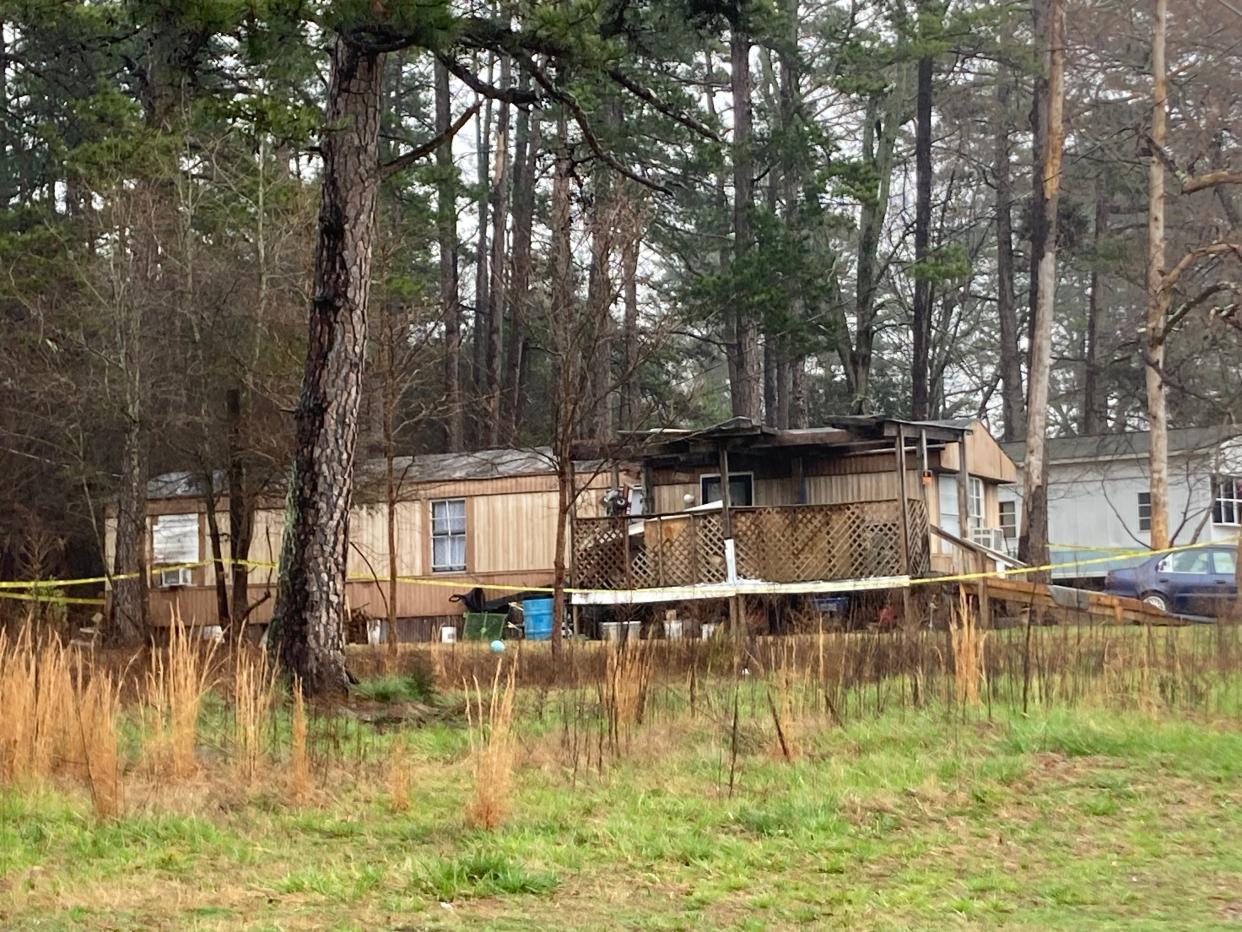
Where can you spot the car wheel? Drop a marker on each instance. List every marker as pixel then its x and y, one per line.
pixel 1157 600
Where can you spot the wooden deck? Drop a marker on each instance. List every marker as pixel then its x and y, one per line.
pixel 778 544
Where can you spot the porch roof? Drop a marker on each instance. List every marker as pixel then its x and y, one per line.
pixel 839 435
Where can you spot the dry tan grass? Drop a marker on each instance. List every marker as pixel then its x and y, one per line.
pixel 627 676
pixel 299 766
pixel 254 683
pixel 967 642
pixel 57 718
pixel 179 678
pixel 492 749
pixel 398 776
pixel 98 709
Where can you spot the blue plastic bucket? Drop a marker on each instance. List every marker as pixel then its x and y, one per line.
pixel 538 616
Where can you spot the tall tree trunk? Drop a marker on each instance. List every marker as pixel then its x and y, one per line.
pixel 241 513
pixel 129 609
pixel 921 369
pixel 1012 402
pixel 1039 143
pixel 878 142
pixel 450 300
pixel 567 398
pixel 629 333
pixel 597 412
pixel 1157 294
pixel 501 179
pixel 525 163
pixel 310 595
pixel 1033 544
pixel 1093 406
pixel 218 572
pixel 748 382
pixel 482 301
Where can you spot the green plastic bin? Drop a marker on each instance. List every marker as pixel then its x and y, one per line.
pixel 484 626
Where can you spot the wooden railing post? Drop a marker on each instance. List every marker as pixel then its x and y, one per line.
pixel 625 549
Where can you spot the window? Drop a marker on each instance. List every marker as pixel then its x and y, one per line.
pixel 448 535
pixel 741 489
pixel 1226 562
pixel 174 539
pixel 1194 562
pixel 976 502
pixel 1227 500
pixel 1144 511
pixel 1009 520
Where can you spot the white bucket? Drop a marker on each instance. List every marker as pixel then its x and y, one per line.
pixel 706 632
pixel 375 628
pixel 620 630
pixel 448 634
pixel 673 628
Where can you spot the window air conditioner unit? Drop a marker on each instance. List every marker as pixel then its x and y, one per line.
pixel 174 578
pixel 991 537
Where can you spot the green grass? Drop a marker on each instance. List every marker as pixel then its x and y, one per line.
pixel 912 819
pixel 408 688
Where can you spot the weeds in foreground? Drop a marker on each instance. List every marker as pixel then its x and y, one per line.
pixel 299 767
pixel 627 676
pixel 57 718
pixel 179 679
pixel 492 750
pixel 966 641
pixel 254 684
pixel 398 777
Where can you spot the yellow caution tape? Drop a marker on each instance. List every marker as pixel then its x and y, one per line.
pixel 50 598
pixel 32 590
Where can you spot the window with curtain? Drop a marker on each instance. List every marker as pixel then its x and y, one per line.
pixel 448 535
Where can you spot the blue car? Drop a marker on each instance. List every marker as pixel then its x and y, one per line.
pixel 1202 581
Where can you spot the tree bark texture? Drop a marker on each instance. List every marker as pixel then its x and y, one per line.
pixel 1157 294
pixel 1039 131
pixel 501 183
pixel 450 300
pixel 241 513
pixel 1093 405
pixel 129 609
pixel 629 334
pixel 525 163
pixel 878 142
pixel 1012 402
pixel 921 367
pixel 567 398
pixel 747 384
pixel 1033 543
pixel 310 595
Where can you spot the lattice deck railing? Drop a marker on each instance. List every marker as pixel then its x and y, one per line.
pixel 785 543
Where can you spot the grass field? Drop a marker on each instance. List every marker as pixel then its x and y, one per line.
pixel 910 816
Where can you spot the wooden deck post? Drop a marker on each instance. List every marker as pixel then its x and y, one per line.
pixel 737 612
pixel 903 508
pixel 963 502
pixel 902 505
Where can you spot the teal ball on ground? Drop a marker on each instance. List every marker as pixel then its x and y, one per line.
pixel 498 647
